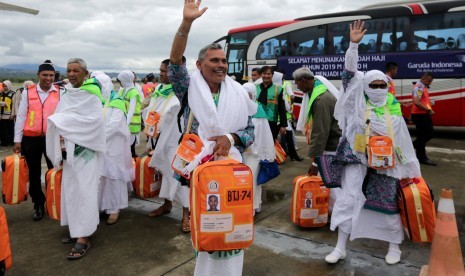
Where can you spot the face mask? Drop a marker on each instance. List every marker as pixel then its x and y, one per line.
pixel 377 97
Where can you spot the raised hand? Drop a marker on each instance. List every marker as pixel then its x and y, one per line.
pixel 357 31
pixel 192 11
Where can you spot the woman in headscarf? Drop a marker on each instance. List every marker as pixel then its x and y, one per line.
pixel 117 166
pixel 366 108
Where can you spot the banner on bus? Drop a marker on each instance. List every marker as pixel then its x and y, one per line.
pixel 410 65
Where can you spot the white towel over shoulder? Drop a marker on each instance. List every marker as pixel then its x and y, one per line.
pixel 234 108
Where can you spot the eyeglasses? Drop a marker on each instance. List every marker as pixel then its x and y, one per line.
pixel 378 85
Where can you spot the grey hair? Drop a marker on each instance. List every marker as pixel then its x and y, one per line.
pixel 79 61
pixel 303 73
pixel 203 51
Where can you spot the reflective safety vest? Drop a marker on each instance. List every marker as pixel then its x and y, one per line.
pixel 6 97
pixel 118 102
pixel 424 99
pixel 288 99
pixel 272 100
pixel 135 125
pixel 38 112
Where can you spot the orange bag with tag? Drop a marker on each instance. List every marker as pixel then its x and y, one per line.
pixel 5 249
pixel 190 146
pixel 15 179
pixel 221 204
pixel 151 124
pixel 380 152
pixel 310 202
pixel 280 153
pixel 148 181
pixel 53 193
pixel 416 208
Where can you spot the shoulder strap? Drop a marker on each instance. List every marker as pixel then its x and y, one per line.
pixel 184 104
pixel 189 122
pixel 388 123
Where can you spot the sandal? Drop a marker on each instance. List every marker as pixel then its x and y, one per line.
pixel 159 212
pixel 185 226
pixel 68 240
pixel 78 251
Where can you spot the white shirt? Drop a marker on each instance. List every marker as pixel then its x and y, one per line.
pixel 23 107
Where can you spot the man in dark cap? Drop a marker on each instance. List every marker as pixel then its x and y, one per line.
pixel 37 103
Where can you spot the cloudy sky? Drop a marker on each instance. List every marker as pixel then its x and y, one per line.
pixel 135 34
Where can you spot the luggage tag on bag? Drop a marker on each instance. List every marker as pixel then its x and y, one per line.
pixel 151 124
pixel 400 155
pixel 190 146
pixel 360 143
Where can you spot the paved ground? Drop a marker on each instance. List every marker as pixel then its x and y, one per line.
pixel 138 245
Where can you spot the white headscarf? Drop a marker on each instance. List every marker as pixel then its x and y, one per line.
pixel 8 84
pixel 377 97
pixel 106 83
pixel 277 78
pixel 127 79
pixel 251 89
pixel 27 83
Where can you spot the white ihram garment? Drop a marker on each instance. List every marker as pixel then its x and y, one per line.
pixel 117 167
pixel 165 148
pixel 348 213
pixel 78 119
pixel 234 108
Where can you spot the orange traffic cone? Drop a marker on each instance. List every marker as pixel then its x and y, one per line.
pixel 446 255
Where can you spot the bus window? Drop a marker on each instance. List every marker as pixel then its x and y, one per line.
pixel 378 36
pixel 439 31
pixel 235 60
pixel 308 41
pixel 238 38
pixel 273 48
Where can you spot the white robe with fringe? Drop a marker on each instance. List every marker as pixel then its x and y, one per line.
pixel 78 119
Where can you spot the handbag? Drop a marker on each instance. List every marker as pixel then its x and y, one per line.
pixel 380 191
pixel 268 170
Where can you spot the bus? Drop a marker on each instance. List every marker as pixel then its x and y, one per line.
pixel 419 37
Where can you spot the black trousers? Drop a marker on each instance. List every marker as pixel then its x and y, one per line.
pixel 33 148
pixel 7 130
pixel 274 129
pixel 288 145
pixel 424 126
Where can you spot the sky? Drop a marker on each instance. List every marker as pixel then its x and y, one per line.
pixel 136 35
